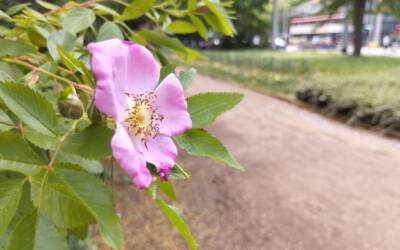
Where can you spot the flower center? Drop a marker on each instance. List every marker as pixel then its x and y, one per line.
pixel 143 119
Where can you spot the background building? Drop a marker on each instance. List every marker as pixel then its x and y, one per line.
pixel 309 29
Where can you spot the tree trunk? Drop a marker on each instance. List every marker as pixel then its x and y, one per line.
pixel 358 23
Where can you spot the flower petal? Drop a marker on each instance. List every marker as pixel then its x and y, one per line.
pixel 171 103
pixel 130 159
pixel 108 64
pixel 161 151
pixel 120 68
pixel 145 70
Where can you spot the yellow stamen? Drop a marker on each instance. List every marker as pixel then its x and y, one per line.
pixel 143 119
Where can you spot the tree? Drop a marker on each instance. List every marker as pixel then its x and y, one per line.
pixel 358 18
pixel 252 17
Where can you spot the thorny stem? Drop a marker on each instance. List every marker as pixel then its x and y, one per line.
pixel 21 128
pixel 53 158
pixel 59 144
pixel 69 73
pixel 80 86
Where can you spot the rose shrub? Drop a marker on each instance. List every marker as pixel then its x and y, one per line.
pixel 85 83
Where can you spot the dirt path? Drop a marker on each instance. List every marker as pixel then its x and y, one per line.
pixel 310 184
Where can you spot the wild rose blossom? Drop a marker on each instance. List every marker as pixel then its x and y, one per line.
pixel 147 114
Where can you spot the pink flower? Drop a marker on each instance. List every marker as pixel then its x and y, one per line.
pixel 147 114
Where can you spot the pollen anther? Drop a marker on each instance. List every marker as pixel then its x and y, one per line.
pixel 143 119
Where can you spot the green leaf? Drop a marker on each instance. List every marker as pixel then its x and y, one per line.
pixel 36 231
pixel 162 40
pixel 152 191
pixel 70 61
pixel 30 106
pixel 78 20
pixel 35 15
pixel 178 173
pixel 80 232
pixel 194 55
pixel 175 44
pixel 109 30
pixel 186 77
pixel 91 143
pixel 167 188
pixel 61 37
pixel 14 148
pixel 204 108
pixel 200 27
pixel 192 5
pixel 10 72
pixel 137 9
pixel 91 166
pixel 75 65
pixel 166 70
pixel 10 194
pixel 98 201
pixel 17 8
pixel 23 168
pixel 40 140
pixel 199 142
pixel 55 199
pixel 24 208
pixel 5 122
pixel 181 27
pixel 224 23
pixel 46 5
pixel 176 218
pixel 104 10
pixel 14 48
pixel 4 15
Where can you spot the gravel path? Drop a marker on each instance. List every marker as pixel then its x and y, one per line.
pixel 311 183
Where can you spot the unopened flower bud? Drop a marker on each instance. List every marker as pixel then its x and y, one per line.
pixel 70 108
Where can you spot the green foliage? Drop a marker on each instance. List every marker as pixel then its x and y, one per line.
pixel 78 20
pixel 186 77
pixel 14 148
pixel 199 142
pixel 181 27
pixel 176 218
pixel 178 173
pixel 371 81
pixel 5 122
pixel 167 188
pixel 60 38
pixel 166 70
pixel 200 27
pixel 252 17
pixel 19 167
pixel 206 107
pixel 14 48
pixel 137 9
pixel 10 194
pixel 54 199
pixel 53 139
pixel 32 108
pixel 96 198
pixel 109 30
pixel 36 231
pixel 92 143
pixel 221 17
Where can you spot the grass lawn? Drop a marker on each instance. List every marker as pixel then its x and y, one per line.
pixel 371 81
